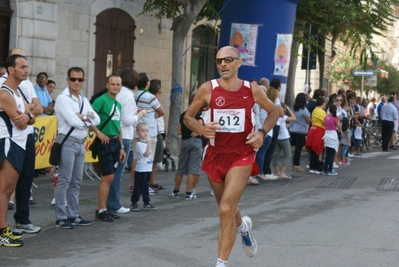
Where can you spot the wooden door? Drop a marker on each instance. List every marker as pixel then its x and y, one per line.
pixel 5 15
pixel 114 36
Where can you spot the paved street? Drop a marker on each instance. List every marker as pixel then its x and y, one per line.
pixel 310 221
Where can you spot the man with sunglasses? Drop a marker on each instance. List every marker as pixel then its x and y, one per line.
pixel 233 140
pixel 72 109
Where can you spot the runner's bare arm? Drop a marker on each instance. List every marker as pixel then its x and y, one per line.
pixel 202 97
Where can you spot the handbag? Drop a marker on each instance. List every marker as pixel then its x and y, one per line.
pixel 94 146
pixel 55 153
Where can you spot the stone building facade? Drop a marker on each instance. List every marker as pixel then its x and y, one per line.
pixel 59 34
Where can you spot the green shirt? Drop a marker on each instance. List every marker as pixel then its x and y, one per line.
pixel 104 106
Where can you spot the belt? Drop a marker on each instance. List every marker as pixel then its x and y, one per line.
pixel 74 139
pixel 112 136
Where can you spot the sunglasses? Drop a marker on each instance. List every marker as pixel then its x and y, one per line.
pixel 73 79
pixel 338 100
pixel 226 60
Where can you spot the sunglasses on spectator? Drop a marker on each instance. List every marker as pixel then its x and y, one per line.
pixel 73 79
pixel 338 99
pixel 226 60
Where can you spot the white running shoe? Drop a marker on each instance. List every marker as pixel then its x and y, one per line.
pixel 53 202
pixel 248 242
pixel 27 228
pixel 271 177
pixel 252 181
pixel 123 210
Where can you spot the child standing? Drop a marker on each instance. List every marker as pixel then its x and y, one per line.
pixel 345 141
pixel 142 170
pixel 358 134
pixel 331 123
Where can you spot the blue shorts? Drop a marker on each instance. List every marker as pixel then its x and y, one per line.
pixel 13 153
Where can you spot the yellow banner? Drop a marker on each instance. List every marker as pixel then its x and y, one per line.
pixel 45 131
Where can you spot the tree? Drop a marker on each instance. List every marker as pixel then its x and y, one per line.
pixel 354 22
pixel 183 13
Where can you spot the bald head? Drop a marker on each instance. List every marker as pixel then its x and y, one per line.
pixel 16 51
pixel 265 82
pixel 230 48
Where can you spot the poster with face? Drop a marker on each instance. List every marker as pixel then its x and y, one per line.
pixel 243 37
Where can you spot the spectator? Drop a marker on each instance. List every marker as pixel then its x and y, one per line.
pixel 74 115
pixel 22 191
pixel 130 116
pixel 314 143
pixel 388 114
pixel 44 97
pixel 383 100
pixel 50 88
pixel 345 141
pixel 283 144
pixel 13 138
pixel 331 142
pixel 2 70
pixel 273 93
pixel 190 158
pixel 146 100
pixel 110 146
pixel 142 170
pixel 155 88
pixel 370 111
pixel 299 129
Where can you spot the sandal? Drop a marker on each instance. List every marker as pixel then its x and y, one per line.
pixel 285 176
pixel 157 186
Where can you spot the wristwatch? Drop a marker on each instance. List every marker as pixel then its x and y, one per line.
pixel 122 147
pixel 263 131
pixel 84 117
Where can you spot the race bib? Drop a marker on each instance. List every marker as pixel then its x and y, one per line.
pixel 231 120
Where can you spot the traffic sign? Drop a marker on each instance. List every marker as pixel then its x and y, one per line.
pixel 363 73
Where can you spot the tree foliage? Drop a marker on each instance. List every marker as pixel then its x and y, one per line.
pixel 354 22
pixel 341 70
pixel 183 13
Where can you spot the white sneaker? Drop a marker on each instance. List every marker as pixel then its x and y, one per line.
pixel 159 166
pixel 27 228
pixel 261 176
pixel 335 166
pixel 123 210
pixel 211 192
pixel 53 202
pixel 350 155
pixel 152 192
pixel 271 177
pixel 252 181
pixel 248 242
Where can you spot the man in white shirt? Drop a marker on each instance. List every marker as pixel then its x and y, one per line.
pixel 72 109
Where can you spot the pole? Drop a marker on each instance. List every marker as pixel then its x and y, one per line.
pixel 307 78
pixel 361 93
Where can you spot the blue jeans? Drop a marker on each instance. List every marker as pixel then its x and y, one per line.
pixel 113 202
pixel 260 155
pixel 70 175
pixel 329 160
pixel 22 189
pixel 141 186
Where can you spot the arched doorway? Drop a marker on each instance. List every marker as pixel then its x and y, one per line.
pixel 114 39
pixel 5 16
pixel 203 53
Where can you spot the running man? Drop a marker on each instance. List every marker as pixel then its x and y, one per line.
pixel 233 140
